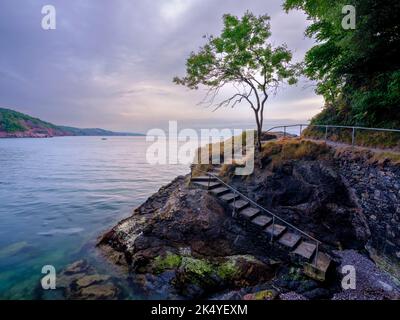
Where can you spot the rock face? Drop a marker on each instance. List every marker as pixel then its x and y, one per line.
pixel 311 195
pixel 183 243
pixel 343 197
pixel 79 281
pixel 376 189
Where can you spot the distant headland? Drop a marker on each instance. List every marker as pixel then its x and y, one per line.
pixel 14 124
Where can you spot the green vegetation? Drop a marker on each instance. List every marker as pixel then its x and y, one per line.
pixel 243 58
pixel 276 152
pixel 198 270
pixel 296 274
pixel 363 138
pixel 290 149
pixel 232 269
pixel 13 121
pixel 217 152
pixel 228 270
pixel 357 71
pixel 197 267
pixel 370 156
pixel 265 295
pixel 382 157
pixel 169 261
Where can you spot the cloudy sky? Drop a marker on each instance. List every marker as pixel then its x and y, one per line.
pixel 110 64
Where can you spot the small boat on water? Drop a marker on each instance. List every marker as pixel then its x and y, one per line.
pixel 103 138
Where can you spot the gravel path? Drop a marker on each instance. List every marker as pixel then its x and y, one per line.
pixel 371 283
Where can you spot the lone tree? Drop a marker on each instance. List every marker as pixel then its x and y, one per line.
pixel 241 59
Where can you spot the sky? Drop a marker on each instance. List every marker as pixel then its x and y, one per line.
pixel 110 64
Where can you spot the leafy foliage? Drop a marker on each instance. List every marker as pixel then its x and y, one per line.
pixel 357 71
pixel 242 58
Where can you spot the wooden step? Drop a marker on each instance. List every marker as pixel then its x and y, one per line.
pixel 323 261
pixel 240 204
pixel 203 178
pixel 229 197
pixel 318 267
pixel 220 191
pixel 206 185
pixel 215 171
pixel 305 249
pixel 289 239
pixel 249 212
pixel 261 221
pixel 275 230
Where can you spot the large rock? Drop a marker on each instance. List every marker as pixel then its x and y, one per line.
pixel 98 292
pixel 181 241
pixel 374 182
pixel 262 295
pixel 80 281
pixel 302 185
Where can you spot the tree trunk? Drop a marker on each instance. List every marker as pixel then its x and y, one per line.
pixel 259 131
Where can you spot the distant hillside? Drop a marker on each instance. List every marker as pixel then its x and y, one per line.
pixel 95 132
pixel 14 124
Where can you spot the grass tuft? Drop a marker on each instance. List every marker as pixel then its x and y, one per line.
pixel 293 149
pixel 363 138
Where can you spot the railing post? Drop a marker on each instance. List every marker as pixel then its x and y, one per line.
pixel 301 129
pixel 273 229
pixel 353 136
pixel 234 204
pixel 284 131
pixel 316 255
pixel 326 133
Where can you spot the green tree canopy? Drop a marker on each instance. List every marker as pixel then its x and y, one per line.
pixel 243 59
pixel 357 71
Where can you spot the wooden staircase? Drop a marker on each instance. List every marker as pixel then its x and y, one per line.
pixel 300 246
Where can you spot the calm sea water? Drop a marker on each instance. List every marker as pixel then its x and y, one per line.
pixel 58 195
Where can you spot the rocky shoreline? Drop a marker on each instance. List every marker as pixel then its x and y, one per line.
pixel 183 243
pixel 48 133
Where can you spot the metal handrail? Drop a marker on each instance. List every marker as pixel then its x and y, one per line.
pixel 327 126
pixel 332 126
pixel 261 207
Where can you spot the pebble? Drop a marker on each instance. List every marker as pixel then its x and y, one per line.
pixel 291 296
pixel 371 283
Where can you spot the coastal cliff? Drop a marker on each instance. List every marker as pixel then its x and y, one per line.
pixel 15 124
pixel 183 242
